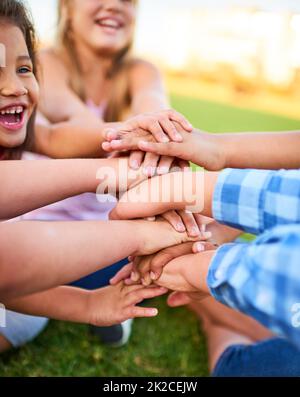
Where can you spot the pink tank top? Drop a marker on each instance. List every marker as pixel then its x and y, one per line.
pixel 83 207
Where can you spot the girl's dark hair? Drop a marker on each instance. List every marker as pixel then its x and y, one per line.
pixel 14 12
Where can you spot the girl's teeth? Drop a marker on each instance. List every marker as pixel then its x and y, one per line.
pixel 18 110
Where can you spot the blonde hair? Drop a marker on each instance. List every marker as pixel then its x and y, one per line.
pixel 119 97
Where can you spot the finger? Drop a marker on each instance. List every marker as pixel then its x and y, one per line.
pixel 175 220
pixel 200 220
pixel 106 146
pixel 203 246
pixel 156 130
pixel 150 164
pixel 165 165
pixel 128 282
pixel 111 134
pixel 144 293
pixel 164 257
pixel 165 149
pixel 184 165
pixel 135 273
pixel 138 312
pixel 176 299
pixel 190 223
pixel 171 130
pixel 146 279
pixel 125 144
pixel 122 274
pixel 185 124
pixel 135 159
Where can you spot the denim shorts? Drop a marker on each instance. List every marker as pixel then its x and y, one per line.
pixel 270 358
pixel 21 328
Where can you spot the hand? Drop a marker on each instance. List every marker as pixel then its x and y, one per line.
pixel 115 304
pixel 149 268
pixel 185 221
pixel 188 273
pixel 159 125
pixel 175 191
pixel 158 235
pixel 202 148
pixel 150 125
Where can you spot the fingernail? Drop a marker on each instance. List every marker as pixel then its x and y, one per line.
pixel 149 171
pixel 178 137
pixel 153 312
pixel 115 143
pixel 200 247
pixel 162 170
pixel 151 218
pixel 195 231
pixel 134 164
pixel 180 227
pixel 203 228
pixel 165 139
pixel 207 235
pixel 134 276
pixel 153 276
pixel 109 133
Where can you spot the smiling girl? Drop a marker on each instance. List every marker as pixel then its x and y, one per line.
pixel 28 267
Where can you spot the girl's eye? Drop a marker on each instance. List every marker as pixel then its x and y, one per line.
pixel 24 70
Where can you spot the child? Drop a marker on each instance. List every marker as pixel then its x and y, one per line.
pixel 247 277
pixel 49 182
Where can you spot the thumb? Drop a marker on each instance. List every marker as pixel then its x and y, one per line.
pixel 163 149
pixel 201 246
pixel 176 299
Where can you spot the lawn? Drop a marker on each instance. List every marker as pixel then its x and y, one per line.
pixel 169 345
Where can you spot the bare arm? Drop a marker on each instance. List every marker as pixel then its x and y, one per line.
pixel 70 139
pixel 147 89
pixel 101 307
pixel 27 185
pixel 48 254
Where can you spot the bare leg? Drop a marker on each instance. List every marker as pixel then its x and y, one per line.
pixel 219 339
pixel 4 344
pixel 222 316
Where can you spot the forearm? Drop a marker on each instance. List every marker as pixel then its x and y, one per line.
pixel 274 150
pixel 249 277
pixel 150 101
pixel 27 185
pixel 191 191
pixel 71 140
pixel 61 303
pixel 35 256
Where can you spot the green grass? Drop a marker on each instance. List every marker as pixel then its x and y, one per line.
pixel 171 344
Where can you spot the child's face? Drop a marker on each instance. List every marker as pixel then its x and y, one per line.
pixel 18 88
pixel 106 26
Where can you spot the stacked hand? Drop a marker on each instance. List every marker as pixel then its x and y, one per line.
pixel 182 267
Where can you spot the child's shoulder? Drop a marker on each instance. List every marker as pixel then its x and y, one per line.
pixel 52 58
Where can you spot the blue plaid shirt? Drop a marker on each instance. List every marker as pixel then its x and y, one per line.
pixel 262 278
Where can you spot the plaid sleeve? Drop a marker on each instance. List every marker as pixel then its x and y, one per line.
pixel 262 279
pixel 256 200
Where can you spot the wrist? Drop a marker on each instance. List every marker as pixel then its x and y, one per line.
pixel 210 181
pixel 226 143
pixel 196 274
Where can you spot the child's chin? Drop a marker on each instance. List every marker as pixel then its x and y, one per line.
pixel 12 141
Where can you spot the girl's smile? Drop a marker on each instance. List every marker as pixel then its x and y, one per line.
pixel 18 88
pixel 12 117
